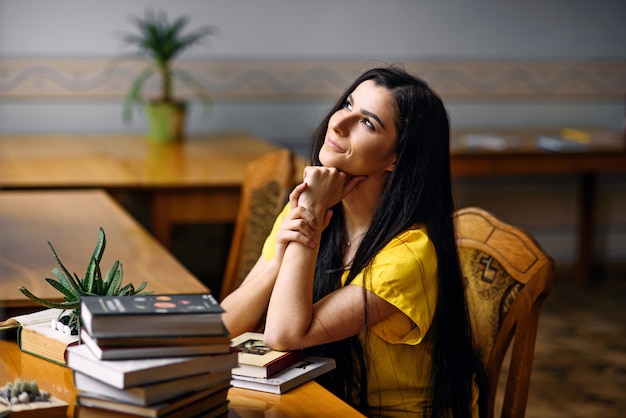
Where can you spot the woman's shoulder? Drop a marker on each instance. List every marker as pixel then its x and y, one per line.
pixel 414 242
pixel 409 253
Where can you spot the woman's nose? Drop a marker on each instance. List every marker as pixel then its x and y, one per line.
pixel 339 124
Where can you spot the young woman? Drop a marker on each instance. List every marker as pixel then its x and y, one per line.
pixel 362 264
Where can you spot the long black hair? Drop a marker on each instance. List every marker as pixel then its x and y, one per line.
pixel 418 192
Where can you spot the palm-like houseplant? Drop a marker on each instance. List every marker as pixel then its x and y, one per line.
pixel 72 287
pixel 159 43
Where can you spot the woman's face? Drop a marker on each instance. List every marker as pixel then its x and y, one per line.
pixel 361 135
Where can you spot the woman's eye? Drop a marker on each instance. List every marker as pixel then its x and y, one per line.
pixel 369 124
pixel 347 105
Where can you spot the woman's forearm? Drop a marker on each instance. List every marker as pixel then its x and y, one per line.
pixel 245 308
pixel 290 310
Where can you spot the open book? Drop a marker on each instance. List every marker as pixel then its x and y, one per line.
pixel 35 336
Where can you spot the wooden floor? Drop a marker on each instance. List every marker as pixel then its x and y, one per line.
pixel 580 356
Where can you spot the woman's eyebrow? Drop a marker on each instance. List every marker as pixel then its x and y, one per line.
pixel 368 113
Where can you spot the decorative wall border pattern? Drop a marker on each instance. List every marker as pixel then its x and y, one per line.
pixel 46 78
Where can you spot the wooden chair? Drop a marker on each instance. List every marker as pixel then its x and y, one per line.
pixel 508 276
pixel 267 183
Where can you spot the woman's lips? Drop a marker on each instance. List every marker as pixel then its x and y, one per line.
pixel 332 144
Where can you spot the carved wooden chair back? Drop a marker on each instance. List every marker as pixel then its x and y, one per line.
pixel 508 276
pixel 267 183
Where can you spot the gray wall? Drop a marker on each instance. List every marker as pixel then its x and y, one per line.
pixel 395 29
pixel 392 31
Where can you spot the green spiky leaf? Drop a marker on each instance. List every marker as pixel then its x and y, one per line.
pixel 66 278
pixel 134 92
pixel 114 278
pixel 93 268
pixel 69 295
pixel 48 303
pixel 140 288
pixel 70 284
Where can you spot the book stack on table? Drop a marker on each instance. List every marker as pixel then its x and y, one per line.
pixel 153 356
pixel 264 369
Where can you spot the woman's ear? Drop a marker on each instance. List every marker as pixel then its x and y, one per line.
pixel 392 163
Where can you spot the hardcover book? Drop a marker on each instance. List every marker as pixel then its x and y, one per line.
pixel 301 372
pixel 152 393
pixel 151 315
pixel 35 335
pixel 257 360
pixel 147 351
pixel 123 374
pixel 188 405
pixel 166 341
pixel 43 341
pixel 219 411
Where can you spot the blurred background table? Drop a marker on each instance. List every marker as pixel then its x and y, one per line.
pixel 195 180
pixel 513 152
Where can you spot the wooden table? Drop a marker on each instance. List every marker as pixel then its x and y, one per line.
pixel 606 154
pixel 196 180
pixel 308 400
pixel 70 219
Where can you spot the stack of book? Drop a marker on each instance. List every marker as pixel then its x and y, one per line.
pixel 264 369
pixel 153 356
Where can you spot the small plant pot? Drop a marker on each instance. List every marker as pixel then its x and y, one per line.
pixel 166 121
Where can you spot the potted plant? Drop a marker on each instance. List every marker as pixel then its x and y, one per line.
pixel 159 43
pixel 72 287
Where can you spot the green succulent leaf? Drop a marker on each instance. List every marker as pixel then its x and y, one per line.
pixel 190 82
pixel 134 93
pixel 129 289
pixel 69 281
pixel 140 288
pixel 90 279
pixel 81 283
pixel 113 279
pixel 93 268
pixel 48 303
pixel 70 296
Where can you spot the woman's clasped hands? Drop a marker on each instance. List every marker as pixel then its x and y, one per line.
pixel 310 205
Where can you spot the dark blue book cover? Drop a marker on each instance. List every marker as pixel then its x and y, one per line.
pixel 151 305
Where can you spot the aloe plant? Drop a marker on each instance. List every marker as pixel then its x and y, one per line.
pixel 72 287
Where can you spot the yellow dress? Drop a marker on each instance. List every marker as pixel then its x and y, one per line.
pixel 404 273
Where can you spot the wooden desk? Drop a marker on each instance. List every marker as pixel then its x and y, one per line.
pixel 522 157
pixel 197 180
pixel 309 400
pixel 70 220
